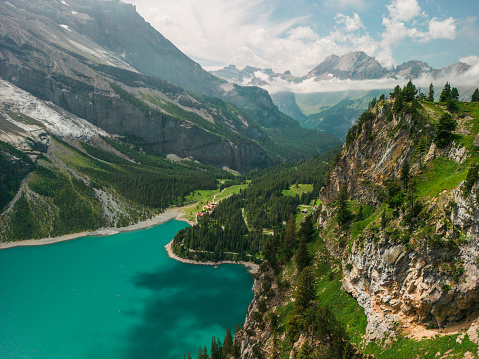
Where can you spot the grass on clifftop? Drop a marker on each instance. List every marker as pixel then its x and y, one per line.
pixel 440 174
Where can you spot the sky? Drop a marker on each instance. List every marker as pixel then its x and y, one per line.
pixel 297 35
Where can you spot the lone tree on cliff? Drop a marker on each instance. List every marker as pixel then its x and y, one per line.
pixel 344 214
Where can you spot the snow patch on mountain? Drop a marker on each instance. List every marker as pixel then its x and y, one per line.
pixel 56 120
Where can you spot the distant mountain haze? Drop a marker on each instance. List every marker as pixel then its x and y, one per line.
pixel 356 65
pixel 352 79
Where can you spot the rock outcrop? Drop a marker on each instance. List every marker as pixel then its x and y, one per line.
pixel 402 273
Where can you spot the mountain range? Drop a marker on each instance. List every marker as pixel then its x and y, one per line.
pixel 71 53
pixel 335 111
pixel 356 65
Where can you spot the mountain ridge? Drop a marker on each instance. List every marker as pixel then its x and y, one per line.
pixel 355 65
pixel 74 72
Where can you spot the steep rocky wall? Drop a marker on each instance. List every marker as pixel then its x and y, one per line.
pixel 397 286
pixel 378 152
pixel 399 282
pixel 77 88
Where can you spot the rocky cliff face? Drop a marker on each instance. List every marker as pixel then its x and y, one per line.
pixel 69 53
pixel 58 65
pixel 404 273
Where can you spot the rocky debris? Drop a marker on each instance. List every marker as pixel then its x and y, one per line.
pixel 45 116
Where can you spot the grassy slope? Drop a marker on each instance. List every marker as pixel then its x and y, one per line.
pixel 56 202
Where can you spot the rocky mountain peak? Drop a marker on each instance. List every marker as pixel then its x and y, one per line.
pixel 356 65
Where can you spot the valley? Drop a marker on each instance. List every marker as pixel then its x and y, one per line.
pixel 350 192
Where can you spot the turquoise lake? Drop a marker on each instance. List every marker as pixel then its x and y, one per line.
pixel 119 296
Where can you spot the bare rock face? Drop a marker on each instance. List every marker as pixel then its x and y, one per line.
pixel 378 152
pixel 397 286
pixel 397 281
pixel 55 63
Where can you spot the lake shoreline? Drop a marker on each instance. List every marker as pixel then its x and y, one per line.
pixel 252 268
pixel 177 213
pixel 171 213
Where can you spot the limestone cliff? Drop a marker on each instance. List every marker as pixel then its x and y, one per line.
pixel 414 260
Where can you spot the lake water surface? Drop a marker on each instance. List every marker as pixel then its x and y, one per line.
pixel 115 297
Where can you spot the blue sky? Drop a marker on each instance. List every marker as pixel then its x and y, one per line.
pixel 297 35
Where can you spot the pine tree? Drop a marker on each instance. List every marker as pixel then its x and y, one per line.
pixel 430 96
pixel 228 343
pixel 216 349
pixel 290 236
pixel 306 352
pixel 475 96
pixel 454 94
pixel 405 175
pixel 203 354
pixel 344 214
pixel 446 125
pixel 302 258
pixel 396 92
pixel 306 229
pixel 305 293
pixel 446 93
pixel 409 92
pixel 359 216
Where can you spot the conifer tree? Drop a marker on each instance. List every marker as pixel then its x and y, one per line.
pixel 228 343
pixel 305 293
pixel 454 94
pixel 203 354
pixel 306 229
pixel 216 349
pixel 405 175
pixel 344 214
pixel 302 258
pixel 475 96
pixel 290 236
pixel 306 352
pixel 396 92
pixel 409 92
pixel 359 216
pixel 446 92
pixel 446 125
pixel 430 96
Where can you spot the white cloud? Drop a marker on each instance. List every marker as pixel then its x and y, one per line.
pixel 227 88
pixel 303 33
pixel 470 60
pixel 404 10
pixel 351 23
pixel 467 79
pixel 442 29
pixel 245 32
